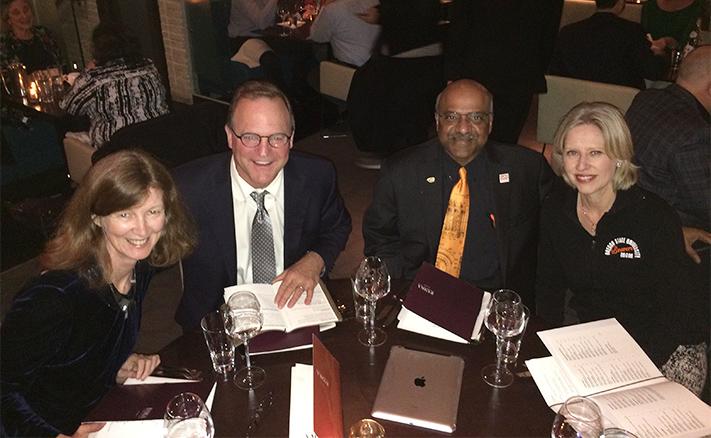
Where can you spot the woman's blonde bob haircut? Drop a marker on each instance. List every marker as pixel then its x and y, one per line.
pixel 618 140
pixel 115 183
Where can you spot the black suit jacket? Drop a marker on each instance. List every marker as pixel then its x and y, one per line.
pixel 404 222
pixel 504 44
pixel 315 219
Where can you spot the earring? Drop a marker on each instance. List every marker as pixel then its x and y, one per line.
pixel 619 163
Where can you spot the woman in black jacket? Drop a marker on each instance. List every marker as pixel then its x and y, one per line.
pixel 618 249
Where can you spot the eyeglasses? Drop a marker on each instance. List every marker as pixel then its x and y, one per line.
pixel 476 118
pixel 252 140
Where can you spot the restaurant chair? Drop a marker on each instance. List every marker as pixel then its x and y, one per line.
pixel 334 84
pixel 78 154
pixel 176 138
pixel 564 93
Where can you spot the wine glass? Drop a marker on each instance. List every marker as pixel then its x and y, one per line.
pixel 243 321
pixel 186 416
pixel 579 417
pixel 505 317
pixel 372 282
pixel 284 15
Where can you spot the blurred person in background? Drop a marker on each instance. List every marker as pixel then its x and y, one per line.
pixel 391 96
pixel 339 24
pixel 119 88
pixel 506 45
pixel 669 22
pixel 24 42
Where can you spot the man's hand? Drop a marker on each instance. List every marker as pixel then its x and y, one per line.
pixel 298 278
pixel 692 235
pixel 370 15
pixel 137 366
pixel 84 430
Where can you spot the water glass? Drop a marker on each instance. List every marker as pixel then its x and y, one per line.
pixel 372 282
pixel 361 306
pixel 219 343
pixel 579 417
pixel 186 416
pixel 616 432
pixel 505 317
pixel 509 347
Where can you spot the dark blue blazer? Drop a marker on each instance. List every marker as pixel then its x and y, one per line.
pixel 315 219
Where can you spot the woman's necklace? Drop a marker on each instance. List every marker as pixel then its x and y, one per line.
pixel 586 215
pixel 590 216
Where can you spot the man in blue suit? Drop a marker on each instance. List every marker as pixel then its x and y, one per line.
pixel 262 180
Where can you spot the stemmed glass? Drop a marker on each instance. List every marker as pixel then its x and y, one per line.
pixel 243 321
pixel 505 317
pixel 372 282
pixel 186 416
pixel 579 417
pixel 284 14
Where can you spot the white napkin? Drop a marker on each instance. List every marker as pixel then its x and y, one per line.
pixel 144 428
pixel 301 411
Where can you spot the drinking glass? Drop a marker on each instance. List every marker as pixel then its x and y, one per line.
pixel 186 416
pixel 284 15
pixel 372 282
pixel 616 432
pixel 219 343
pixel 579 417
pixel 361 306
pixel 243 321
pixel 504 317
pixel 510 346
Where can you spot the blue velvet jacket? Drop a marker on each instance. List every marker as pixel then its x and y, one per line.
pixel 62 344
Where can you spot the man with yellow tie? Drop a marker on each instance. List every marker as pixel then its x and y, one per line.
pixel 465 203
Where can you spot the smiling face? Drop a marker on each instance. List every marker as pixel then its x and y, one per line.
pixel 263 116
pixel 461 137
pixel 20 17
pixel 585 162
pixel 131 234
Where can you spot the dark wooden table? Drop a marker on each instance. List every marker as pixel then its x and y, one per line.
pixel 518 410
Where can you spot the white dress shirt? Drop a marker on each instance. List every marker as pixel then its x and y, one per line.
pixel 248 16
pixel 351 38
pixel 244 208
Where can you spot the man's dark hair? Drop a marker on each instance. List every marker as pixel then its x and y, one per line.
pixel 112 41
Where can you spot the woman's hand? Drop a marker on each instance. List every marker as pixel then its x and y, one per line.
pixel 137 366
pixel 84 430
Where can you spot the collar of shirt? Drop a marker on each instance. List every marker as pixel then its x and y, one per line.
pixel 244 209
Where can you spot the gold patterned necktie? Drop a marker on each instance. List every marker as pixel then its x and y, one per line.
pixel 454 229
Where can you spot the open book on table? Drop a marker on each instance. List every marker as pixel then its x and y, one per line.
pixel 443 306
pixel 602 361
pixel 320 312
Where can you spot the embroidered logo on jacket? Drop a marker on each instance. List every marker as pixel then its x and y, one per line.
pixel 625 247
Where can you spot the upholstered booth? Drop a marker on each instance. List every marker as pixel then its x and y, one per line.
pixel 564 93
pixel 175 138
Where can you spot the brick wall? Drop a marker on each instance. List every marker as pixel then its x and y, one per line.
pixel 177 49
